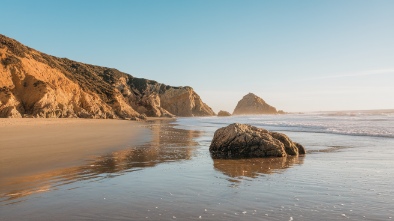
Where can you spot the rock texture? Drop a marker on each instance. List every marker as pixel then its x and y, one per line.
pixel 34 84
pixel 246 141
pixel 223 114
pixel 252 104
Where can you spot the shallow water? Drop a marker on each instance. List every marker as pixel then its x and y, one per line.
pixel 342 177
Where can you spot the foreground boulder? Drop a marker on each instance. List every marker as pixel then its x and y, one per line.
pixel 246 141
pixel 223 114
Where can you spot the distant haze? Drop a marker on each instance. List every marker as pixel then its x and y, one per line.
pixel 296 55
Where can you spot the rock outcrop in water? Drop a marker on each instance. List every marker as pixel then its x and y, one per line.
pixel 246 141
pixel 252 104
pixel 34 84
pixel 223 114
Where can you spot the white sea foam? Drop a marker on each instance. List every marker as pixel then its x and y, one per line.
pixel 355 123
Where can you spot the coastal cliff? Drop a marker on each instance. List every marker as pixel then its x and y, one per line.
pixel 34 84
pixel 252 104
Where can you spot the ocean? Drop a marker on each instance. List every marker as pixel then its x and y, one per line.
pixel 346 174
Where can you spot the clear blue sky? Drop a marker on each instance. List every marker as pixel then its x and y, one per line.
pixel 297 55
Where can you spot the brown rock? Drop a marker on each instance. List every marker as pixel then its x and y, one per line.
pixel 246 141
pixel 183 101
pixel 223 114
pixel 39 85
pixel 252 104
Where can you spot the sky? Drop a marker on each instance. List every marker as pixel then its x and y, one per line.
pixel 296 55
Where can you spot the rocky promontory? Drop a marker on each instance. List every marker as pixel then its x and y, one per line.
pixel 252 104
pixel 34 84
pixel 223 113
pixel 246 141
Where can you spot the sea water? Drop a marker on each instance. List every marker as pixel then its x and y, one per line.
pixel 355 123
pixel 347 174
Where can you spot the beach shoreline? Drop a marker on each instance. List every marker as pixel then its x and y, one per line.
pixel 343 175
pixel 35 145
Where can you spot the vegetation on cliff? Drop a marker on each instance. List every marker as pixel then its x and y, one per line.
pixel 34 84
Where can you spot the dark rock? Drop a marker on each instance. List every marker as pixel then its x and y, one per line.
pixel 246 141
pixel 301 149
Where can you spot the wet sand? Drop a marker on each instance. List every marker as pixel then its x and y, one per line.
pixel 165 144
pixel 173 177
pixel 31 146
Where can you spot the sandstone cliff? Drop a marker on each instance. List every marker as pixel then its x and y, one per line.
pixel 252 104
pixel 34 84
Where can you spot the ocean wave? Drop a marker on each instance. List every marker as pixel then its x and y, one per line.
pixel 366 125
pixel 334 128
pixel 387 113
pixel 348 133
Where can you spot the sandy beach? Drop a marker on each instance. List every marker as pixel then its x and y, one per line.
pixel 100 173
pixel 30 146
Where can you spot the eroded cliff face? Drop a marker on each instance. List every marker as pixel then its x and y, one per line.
pixel 34 84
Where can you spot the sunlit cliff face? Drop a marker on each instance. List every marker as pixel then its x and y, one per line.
pixel 34 84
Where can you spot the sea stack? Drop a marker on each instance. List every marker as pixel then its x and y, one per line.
pixel 252 104
pixel 223 113
pixel 34 84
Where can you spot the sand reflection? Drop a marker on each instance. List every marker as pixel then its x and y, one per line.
pixel 168 145
pixel 254 167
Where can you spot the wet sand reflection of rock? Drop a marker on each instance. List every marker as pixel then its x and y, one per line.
pixel 168 145
pixel 254 167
